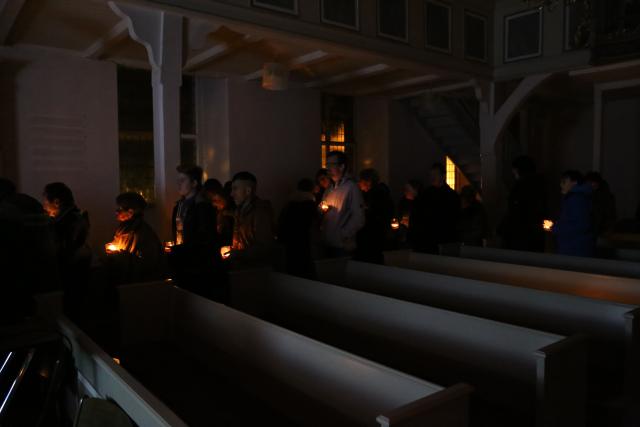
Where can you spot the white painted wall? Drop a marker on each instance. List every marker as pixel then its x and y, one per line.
pixel 274 135
pixel 63 120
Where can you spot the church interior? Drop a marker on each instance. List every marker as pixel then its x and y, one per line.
pixel 320 212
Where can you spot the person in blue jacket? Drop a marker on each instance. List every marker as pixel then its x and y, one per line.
pixel 574 228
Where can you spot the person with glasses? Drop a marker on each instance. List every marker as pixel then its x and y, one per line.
pixel 342 209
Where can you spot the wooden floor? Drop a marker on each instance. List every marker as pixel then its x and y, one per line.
pixel 193 392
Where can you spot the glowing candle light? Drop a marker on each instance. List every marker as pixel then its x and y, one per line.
pixel 395 224
pixel 324 207
pixel 547 225
pixel 225 252
pixel 167 246
pixel 112 248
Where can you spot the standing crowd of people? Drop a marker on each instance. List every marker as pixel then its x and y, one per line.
pixel 218 227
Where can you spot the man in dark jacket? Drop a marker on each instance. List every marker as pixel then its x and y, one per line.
pixel 473 225
pixel 135 253
pixel 604 204
pixel 574 228
pixel 70 232
pixel 434 219
pixel 296 226
pixel 195 258
pixel 378 213
pixel 521 229
pixel 253 239
pixel 27 257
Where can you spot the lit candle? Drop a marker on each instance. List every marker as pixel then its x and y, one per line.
pixel 395 224
pixel 225 251
pixel 547 225
pixel 167 246
pixel 111 248
pixel 324 206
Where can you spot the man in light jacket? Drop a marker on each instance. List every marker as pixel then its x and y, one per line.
pixel 342 207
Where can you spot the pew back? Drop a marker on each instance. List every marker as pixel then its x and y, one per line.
pixel 500 360
pixel 617 289
pixel 316 383
pixel 560 262
pixel 100 376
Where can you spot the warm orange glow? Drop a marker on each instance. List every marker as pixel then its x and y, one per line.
pixel 112 248
pixel 547 224
pixel 225 252
pixel 451 173
pixel 324 207
pixel 116 360
pixel 167 246
pixel 395 224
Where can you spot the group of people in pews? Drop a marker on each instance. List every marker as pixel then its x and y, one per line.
pixel 218 227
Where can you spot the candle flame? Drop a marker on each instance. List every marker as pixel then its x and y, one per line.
pixel 225 252
pixel 395 224
pixel 324 206
pixel 547 225
pixel 112 248
pixel 168 246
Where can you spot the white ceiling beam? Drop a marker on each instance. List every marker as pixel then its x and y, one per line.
pixel 217 52
pixel 399 84
pixel 9 11
pixel 299 61
pixel 372 70
pixel 115 35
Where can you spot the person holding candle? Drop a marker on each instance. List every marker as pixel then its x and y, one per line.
pixel 372 238
pixel 574 229
pixel 296 225
pixel 434 219
pixel 345 214
pixel 195 257
pixel 253 237
pixel 137 252
pixel 323 183
pixel 70 231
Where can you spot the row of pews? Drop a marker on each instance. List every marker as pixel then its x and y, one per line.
pixel 482 338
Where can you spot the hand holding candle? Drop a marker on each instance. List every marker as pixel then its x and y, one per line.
pixel 225 252
pixel 395 225
pixel 324 207
pixel 168 246
pixel 547 225
pixel 111 248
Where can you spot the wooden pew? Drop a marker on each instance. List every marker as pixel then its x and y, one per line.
pixel 561 262
pixel 617 289
pixel 521 376
pixel 99 376
pixel 613 328
pixel 287 379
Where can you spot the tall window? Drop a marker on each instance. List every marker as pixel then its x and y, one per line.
pixel 337 127
pixel 135 122
pixel 188 146
pixel 451 173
